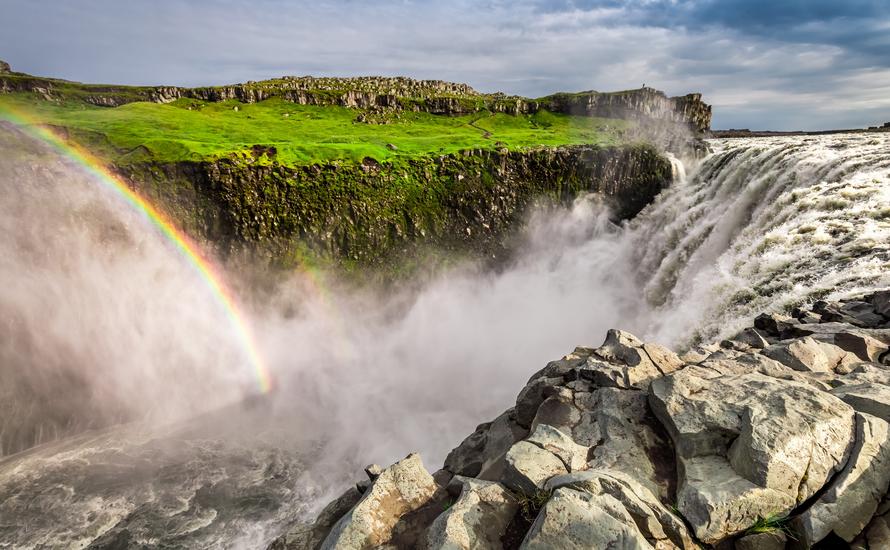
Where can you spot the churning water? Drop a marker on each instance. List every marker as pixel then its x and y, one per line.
pixel 760 224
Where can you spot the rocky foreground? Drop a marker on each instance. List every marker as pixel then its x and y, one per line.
pixel 776 438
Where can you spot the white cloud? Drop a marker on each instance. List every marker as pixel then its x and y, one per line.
pixel 512 46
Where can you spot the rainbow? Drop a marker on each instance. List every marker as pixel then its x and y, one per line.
pixel 178 238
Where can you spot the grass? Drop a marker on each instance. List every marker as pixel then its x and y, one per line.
pixel 194 130
pixel 773 523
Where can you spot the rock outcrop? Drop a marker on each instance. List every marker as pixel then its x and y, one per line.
pixel 4 67
pixel 365 213
pixel 779 437
pixel 656 110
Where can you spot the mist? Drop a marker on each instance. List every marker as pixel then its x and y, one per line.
pixel 105 322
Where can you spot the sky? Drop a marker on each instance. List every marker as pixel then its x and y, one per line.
pixel 802 64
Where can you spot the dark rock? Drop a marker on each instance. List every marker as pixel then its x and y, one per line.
pixel 774 324
pixel 309 536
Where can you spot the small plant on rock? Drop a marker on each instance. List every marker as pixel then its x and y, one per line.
pixel 772 523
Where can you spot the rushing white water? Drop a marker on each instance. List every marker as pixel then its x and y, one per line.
pixel 760 224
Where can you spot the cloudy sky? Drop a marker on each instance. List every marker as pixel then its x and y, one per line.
pixel 767 64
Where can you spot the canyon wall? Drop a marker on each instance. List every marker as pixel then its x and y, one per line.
pixel 366 213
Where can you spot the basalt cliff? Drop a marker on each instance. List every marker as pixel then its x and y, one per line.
pixel 372 210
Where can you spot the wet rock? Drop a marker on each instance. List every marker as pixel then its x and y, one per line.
pixel 752 337
pixel 573 456
pixel 862 345
pixel 575 520
pixel 748 445
pixel 881 303
pixel 853 497
pixel 309 536
pixel 852 313
pixel 774 324
pixel 477 520
pixel 863 313
pixel 528 467
pixel 398 490
pixel 655 522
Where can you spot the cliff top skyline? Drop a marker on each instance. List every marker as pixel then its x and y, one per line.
pixel 764 65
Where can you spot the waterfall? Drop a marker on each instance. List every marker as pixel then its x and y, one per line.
pixel 764 224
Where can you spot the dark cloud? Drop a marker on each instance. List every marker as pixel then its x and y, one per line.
pixel 780 65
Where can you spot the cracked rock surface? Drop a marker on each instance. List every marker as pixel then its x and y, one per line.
pixel 777 438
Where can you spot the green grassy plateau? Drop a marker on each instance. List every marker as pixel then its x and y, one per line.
pixel 353 171
pixel 194 130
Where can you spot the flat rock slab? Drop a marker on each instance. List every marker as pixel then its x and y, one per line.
pixel 869 398
pixel 576 520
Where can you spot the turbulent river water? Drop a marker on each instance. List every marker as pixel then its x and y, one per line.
pixel 103 325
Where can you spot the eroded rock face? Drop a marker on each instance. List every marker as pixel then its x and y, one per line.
pixel 628 445
pixel 852 499
pixel 402 488
pixel 576 519
pixel 478 518
pixel 748 445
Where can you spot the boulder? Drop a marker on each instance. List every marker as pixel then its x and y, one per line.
pixel 624 435
pixel 531 397
pixel 573 456
pixel 773 540
pixel 664 359
pixel 881 302
pixel 869 398
pixel 809 355
pixel 400 489
pixel 476 520
pixel 528 467
pixel 718 503
pixel 654 521
pixel 622 362
pixel 4 67
pixel 558 411
pixel 578 520
pixel 851 500
pixel 863 313
pixel 774 324
pixel 484 450
pixel 309 536
pixel 748 445
pixel 862 345
pixel 752 337
pixel 877 534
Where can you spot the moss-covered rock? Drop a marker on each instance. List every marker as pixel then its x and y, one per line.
pixel 364 213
